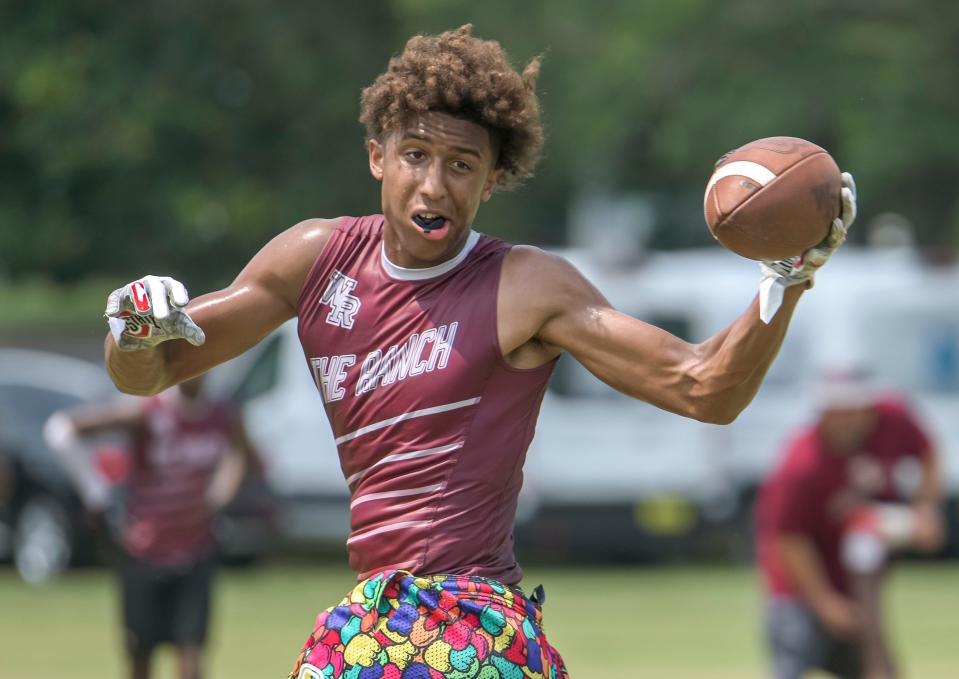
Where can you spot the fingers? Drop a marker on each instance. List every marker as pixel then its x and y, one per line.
pixel 113 303
pixel 162 291
pixel 837 234
pixel 849 182
pixel 848 207
pixel 848 199
pixel 158 296
pixel 177 292
pixel 154 305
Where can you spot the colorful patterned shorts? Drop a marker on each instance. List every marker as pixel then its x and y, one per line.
pixel 398 626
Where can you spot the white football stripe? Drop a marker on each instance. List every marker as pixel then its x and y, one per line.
pixel 406 416
pixel 387 528
pixel 760 174
pixel 412 455
pixel 395 493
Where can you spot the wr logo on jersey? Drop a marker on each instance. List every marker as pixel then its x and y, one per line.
pixel 343 305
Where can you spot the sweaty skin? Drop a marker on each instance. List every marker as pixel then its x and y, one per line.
pixel 443 165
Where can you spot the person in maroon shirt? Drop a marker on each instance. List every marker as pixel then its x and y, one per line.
pixel 188 454
pixel 850 490
pixel 431 345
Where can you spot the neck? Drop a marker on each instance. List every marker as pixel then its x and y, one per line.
pixel 431 270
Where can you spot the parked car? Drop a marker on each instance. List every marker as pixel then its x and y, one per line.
pixel 46 526
pixel 46 521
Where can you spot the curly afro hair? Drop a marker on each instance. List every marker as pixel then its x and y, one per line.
pixel 469 78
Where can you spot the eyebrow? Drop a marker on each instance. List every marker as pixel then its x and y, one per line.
pixel 466 150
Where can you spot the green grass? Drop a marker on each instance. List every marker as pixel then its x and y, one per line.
pixel 677 623
pixel 41 303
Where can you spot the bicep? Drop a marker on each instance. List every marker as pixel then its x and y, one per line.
pixel 263 296
pixel 628 354
pixel 234 319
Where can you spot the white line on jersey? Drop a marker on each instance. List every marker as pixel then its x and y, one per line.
pixel 395 493
pixel 406 416
pixel 413 454
pixel 388 527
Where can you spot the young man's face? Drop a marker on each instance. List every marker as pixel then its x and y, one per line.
pixel 435 173
pixel 845 430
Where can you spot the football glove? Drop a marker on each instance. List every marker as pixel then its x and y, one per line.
pixel 779 275
pixel 148 311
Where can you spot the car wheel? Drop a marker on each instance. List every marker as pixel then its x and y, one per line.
pixel 41 543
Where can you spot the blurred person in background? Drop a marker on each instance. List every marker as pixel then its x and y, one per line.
pixel 6 503
pixel 188 454
pixel 431 345
pixel 857 486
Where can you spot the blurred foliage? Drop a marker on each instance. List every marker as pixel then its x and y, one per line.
pixel 177 137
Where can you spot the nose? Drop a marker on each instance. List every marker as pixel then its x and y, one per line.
pixel 433 185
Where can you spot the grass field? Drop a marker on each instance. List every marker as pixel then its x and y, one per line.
pixel 662 623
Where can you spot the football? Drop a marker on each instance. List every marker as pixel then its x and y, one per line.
pixel 773 198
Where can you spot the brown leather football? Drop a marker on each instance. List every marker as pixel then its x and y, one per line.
pixel 773 198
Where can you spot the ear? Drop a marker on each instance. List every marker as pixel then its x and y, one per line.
pixel 492 179
pixel 376 151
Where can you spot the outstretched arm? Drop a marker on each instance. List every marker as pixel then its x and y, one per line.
pixel 546 306
pixel 801 561
pixel 559 310
pixel 262 297
pixel 65 433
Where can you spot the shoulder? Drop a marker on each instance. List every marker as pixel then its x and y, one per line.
pixel 310 235
pixel 528 259
pixel 544 277
pixel 898 419
pixel 802 458
pixel 283 264
pixel 543 297
pixel 896 413
pixel 895 409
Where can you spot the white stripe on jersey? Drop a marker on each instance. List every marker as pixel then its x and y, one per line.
pixel 395 493
pixel 388 527
pixel 406 416
pixel 412 455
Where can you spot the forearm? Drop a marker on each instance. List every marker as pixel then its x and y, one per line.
pixel 61 436
pixel 731 365
pixel 876 654
pixel 226 482
pixel 806 571
pixel 141 373
pixel 927 505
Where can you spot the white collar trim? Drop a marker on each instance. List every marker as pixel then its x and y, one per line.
pixel 403 274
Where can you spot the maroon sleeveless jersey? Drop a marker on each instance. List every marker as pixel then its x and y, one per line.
pixel 431 423
pixel 175 455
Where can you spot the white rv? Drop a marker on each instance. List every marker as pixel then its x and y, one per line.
pixel 617 476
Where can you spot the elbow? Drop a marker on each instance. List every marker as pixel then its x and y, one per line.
pixel 140 373
pixel 136 391
pixel 716 413
pixel 716 398
pixel 714 405
pixel 134 388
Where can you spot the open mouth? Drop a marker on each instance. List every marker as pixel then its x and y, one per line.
pixel 432 225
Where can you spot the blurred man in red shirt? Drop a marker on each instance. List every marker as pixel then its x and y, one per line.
pixel 856 486
pixel 188 456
